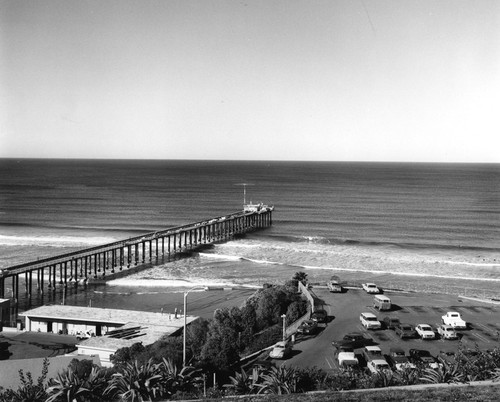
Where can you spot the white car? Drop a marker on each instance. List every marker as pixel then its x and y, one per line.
pixel 370 321
pixel 447 332
pixel 378 365
pixel 281 350
pixel 370 288
pixel 346 357
pixel 425 331
pixel 82 335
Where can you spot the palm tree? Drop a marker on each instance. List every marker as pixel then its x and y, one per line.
pixel 136 382
pixel 174 380
pixel 407 376
pixel 300 276
pixel 244 384
pixel 445 373
pixel 495 374
pixel 68 386
pixel 279 380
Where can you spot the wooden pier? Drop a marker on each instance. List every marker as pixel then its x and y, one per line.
pixel 83 266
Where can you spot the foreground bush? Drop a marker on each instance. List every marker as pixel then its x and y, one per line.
pixel 150 381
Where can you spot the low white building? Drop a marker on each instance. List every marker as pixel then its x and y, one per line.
pixel 113 328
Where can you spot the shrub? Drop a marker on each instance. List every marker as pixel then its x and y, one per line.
pixel 28 391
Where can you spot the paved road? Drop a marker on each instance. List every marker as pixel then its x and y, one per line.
pixel 344 310
pixel 24 345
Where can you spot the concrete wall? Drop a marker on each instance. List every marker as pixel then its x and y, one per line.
pixel 103 354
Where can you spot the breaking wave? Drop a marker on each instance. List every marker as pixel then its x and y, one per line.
pixel 54 241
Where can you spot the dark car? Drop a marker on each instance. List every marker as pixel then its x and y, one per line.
pixel 354 340
pixel 308 327
pixel 320 316
pixel 398 360
pixel 390 322
pixel 423 357
pixel 334 287
pixel 447 356
pixel 405 331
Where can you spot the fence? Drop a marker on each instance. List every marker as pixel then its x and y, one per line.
pixel 292 328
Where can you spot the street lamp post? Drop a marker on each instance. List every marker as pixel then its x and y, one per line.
pixel 284 327
pixel 185 321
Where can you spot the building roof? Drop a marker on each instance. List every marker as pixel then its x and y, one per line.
pixel 135 326
pixel 104 315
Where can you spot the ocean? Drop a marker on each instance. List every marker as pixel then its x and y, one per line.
pixel 433 227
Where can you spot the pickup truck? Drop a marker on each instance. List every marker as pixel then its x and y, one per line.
pixel 453 319
pixel 346 357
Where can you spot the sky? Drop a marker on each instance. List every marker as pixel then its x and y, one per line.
pixel 353 80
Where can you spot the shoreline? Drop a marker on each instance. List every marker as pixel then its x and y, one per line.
pixel 468 287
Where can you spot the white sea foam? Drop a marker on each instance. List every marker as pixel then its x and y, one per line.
pixel 175 283
pixel 265 262
pixel 220 256
pixel 53 241
pixel 474 264
pixel 240 243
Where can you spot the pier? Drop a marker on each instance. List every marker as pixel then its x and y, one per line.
pixel 98 263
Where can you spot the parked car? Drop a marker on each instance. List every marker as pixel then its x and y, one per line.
pixel 354 340
pixel 447 332
pixel 370 321
pixel 447 356
pixel 320 316
pixel 334 286
pixel 82 335
pixel 372 353
pixel 376 366
pixel 382 302
pixel 398 360
pixel 453 319
pixel 308 327
pixel 370 288
pixel 390 322
pixel 281 350
pixel 405 331
pixel 425 331
pixel 346 357
pixel 424 357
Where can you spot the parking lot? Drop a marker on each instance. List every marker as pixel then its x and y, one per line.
pixel 344 309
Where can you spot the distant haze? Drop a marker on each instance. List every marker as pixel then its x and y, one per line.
pixel 373 80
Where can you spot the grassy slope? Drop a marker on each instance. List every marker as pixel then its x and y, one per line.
pixel 459 394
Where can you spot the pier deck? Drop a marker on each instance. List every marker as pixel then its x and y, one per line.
pixel 82 266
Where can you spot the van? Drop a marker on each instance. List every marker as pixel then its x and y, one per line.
pixel 382 302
